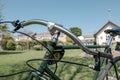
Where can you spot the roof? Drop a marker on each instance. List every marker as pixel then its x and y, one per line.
pixel 109 22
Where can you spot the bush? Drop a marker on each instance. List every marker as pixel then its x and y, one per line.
pixel 11 45
pixel 37 47
pixel 3 44
pixel 21 45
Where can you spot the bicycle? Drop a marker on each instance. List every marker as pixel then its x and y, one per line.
pixel 55 53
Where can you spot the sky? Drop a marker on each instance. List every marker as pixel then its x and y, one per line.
pixel 89 15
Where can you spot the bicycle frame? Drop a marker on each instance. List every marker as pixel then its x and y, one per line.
pixel 54 77
pixel 106 50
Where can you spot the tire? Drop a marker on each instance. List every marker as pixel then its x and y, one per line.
pixel 108 73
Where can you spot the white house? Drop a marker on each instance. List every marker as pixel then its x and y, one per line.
pixel 87 39
pixel 101 36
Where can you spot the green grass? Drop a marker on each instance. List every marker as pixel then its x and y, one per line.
pixel 20 56
pixel 14 61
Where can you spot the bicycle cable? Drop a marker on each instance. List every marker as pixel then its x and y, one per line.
pixel 27 62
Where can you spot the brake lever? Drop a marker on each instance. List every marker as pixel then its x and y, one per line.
pixel 17 25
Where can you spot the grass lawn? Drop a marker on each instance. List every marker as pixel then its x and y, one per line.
pixel 12 57
pixel 11 62
pixel 20 56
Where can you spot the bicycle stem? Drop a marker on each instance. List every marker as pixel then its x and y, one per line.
pixel 52 27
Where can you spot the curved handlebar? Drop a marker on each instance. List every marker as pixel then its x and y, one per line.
pixel 48 24
pixel 52 27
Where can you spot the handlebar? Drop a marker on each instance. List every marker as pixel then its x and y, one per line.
pixel 52 27
pixel 16 24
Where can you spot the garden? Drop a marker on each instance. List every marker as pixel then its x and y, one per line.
pixel 14 55
pixel 14 61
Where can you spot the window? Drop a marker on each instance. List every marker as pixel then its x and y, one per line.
pixel 107 37
pixel 113 38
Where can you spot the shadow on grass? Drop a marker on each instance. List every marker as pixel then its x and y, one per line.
pixel 10 52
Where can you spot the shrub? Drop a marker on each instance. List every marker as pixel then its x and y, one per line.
pixel 11 45
pixel 37 47
pixel 3 44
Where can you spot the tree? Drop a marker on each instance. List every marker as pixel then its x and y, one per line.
pixel 11 45
pixel 3 26
pixel 4 36
pixel 76 30
pixel 1 7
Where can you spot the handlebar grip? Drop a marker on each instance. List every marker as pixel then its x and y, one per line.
pixel 106 55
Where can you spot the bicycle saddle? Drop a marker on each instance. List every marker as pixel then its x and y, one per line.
pixel 113 31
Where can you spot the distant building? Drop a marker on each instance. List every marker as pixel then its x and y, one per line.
pixel 43 36
pixel 87 39
pixel 22 37
pixel 101 37
pixel 47 36
pixel 40 36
